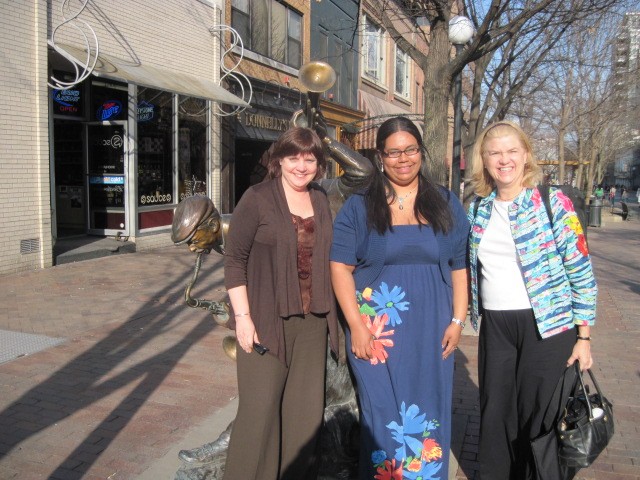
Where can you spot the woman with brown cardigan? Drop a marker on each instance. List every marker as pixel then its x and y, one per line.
pixel 277 277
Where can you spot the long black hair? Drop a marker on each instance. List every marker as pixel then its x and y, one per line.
pixel 430 205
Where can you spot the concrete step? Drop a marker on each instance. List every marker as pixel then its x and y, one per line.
pixel 85 247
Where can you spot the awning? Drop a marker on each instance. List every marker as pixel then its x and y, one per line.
pixel 377 110
pixel 122 70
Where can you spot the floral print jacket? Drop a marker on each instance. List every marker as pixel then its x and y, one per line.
pixel 555 263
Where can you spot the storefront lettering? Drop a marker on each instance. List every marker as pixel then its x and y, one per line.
pixel 113 142
pixel 157 198
pixel 106 180
pixel 67 101
pixel 109 109
pixel 145 111
pixel 188 194
pixel 263 121
pixel 66 97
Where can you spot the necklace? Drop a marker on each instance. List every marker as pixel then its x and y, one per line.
pixel 499 197
pixel 402 199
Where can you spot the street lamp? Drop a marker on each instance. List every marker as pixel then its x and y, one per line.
pixel 461 30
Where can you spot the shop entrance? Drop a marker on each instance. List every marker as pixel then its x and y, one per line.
pixel 106 178
pixel 248 170
pixel 68 147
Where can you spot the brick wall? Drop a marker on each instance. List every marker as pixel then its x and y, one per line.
pixel 25 213
pixel 171 34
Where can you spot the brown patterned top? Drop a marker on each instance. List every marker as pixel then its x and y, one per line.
pixel 305 228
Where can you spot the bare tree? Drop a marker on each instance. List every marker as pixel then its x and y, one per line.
pixel 506 30
pixel 575 102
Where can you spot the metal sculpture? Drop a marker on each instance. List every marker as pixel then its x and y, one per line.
pixel 198 224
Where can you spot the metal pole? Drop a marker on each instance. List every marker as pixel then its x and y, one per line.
pixel 457 131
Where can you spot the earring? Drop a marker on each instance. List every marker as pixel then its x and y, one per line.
pixel 382 167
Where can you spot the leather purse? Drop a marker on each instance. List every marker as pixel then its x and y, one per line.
pixel 586 426
pixel 545 447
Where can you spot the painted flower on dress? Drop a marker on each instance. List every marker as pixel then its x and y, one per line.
pixel 379 343
pixel 412 423
pixel 427 471
pixel 362 298
pixel 388 471
pixel 378 457
pixel 419 455
pixel 414 465
pixel 389 302
pixel 431 450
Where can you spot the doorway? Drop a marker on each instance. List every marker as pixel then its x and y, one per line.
pixel 68 148
pixel 107 159
pixel 248 169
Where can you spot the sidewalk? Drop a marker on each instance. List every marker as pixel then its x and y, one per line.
pixel 119 374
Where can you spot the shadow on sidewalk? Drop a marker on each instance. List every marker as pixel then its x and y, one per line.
pixel 465 428
pixel 95 374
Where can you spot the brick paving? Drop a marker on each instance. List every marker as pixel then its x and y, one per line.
pixel 139 371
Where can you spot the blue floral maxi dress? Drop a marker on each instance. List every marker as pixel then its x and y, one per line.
pixel 405 391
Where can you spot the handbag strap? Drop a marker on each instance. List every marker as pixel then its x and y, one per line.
pixel 584 390
pixel 566 385
pixel 595 384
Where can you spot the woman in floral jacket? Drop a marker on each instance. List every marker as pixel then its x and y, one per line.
pixel 533 284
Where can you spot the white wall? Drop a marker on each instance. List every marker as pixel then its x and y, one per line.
pixel 25 213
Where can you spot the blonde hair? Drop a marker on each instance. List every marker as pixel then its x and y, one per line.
pixel 481 181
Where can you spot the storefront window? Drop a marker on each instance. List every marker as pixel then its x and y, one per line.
pixel 108 101
pixel 155 147
pixel 192 146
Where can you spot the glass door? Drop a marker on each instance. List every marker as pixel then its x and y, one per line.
pixel 106 178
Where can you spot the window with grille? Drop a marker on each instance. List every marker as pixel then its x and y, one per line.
pixel 402 73
pixel 373 48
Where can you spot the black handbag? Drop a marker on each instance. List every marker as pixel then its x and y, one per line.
pixel 545 447
pixel 586 425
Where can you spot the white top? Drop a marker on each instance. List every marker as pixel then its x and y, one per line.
pixel 501 283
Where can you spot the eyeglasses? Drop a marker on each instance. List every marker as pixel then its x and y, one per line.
pixel 409 152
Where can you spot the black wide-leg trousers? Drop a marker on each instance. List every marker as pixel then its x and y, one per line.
pixel 518 372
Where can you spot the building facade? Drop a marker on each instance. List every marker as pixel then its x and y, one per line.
pixel 626 79
pixel 115 118
pixel 107 150
pixel 298 31
pixel 390 83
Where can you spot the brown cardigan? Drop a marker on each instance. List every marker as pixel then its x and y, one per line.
pixel 261 253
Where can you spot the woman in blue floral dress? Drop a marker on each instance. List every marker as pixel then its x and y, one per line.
pixel 399 271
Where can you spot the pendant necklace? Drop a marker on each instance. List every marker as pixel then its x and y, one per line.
pixel 402 199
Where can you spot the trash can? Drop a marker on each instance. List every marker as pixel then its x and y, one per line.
pixel 595 212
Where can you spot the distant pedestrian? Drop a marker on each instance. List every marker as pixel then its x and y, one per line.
pixel 600 193
pixel 623 196
pixel 612 195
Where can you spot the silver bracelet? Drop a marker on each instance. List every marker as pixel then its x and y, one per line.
pixel 459 322
pixel 242 314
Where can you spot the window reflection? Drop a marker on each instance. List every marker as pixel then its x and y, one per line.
pixel 155 147
pixel 192 146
